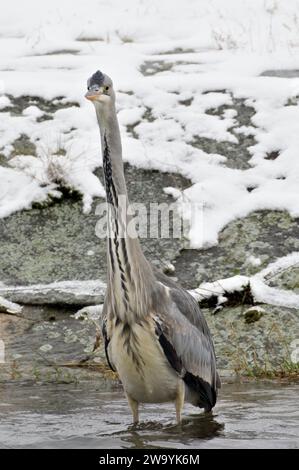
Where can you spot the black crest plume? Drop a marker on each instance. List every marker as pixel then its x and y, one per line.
pixel 97 78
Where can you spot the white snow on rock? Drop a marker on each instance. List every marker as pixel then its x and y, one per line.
pixel 9 307
pixel 259 288
pixel 210 52
pixel 92 313
pixel 219 288
pixel 18 191
pixel 33 111
pixel 253 261
pixel 272 295
pixel 4 102
pixel 63 292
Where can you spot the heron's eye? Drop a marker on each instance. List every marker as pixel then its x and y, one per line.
pixel 88 88
pixel 106 88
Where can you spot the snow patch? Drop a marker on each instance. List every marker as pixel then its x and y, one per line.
pixel 261 292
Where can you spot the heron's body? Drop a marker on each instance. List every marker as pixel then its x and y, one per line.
pixel 155 335
pixel 151 381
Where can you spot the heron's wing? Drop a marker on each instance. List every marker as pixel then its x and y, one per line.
pixel 186 304
pixel 186 341
pixel 106 336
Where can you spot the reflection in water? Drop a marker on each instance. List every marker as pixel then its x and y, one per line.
pixel 69 416
pixel 148 435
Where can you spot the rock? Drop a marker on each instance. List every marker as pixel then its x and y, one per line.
pixel 9 307
pixel 51 243
pixel 58 293
pixel 258 348
pixel 91 313
pixel 169 269
pixel 47 344
pixel 240 290
pixel 266 235
pixel 253 314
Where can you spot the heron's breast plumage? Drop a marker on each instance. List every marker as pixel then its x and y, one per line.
pixel 141 364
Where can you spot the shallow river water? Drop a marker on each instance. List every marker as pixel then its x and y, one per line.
pixel 253 415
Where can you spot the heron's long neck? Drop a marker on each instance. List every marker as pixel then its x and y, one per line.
pixel 129 274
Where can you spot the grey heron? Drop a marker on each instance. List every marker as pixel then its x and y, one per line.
pixel 155 335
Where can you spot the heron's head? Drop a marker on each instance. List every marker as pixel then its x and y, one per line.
pixel 100 89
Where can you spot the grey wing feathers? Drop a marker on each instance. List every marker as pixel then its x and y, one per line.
pixel 186 334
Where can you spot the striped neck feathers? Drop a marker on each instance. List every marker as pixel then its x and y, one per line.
pixel 129 274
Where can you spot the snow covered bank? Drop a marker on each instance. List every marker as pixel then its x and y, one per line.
pixel 199 55
pixel 257 284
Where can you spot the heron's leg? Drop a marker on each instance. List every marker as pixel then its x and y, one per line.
pixel 179 401
pixel 134 408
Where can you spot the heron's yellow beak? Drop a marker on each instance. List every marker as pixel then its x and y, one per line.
pixel 91 95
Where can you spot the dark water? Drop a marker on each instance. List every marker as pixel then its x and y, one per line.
pixel 254 415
